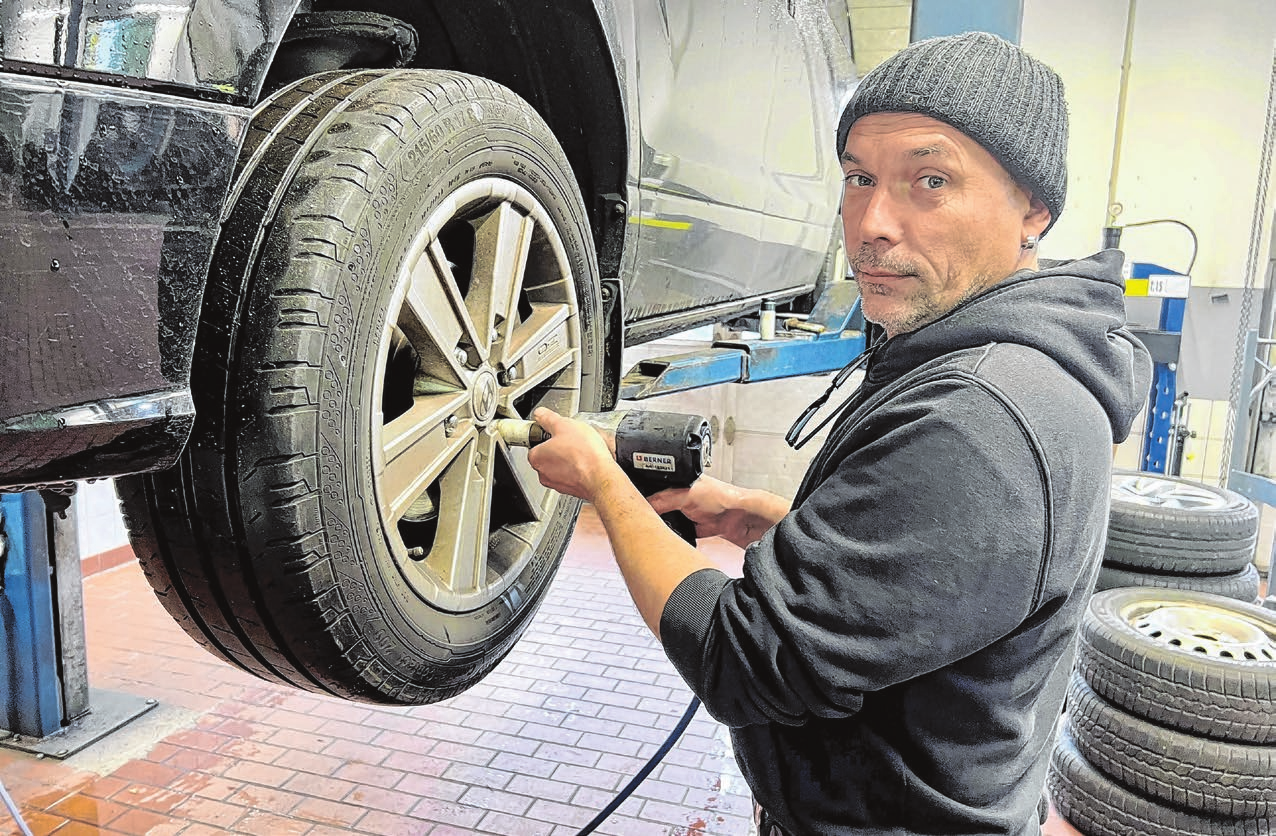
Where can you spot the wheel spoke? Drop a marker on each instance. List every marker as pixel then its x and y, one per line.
pixel 1165 494
pixel 501 245
pixel 438 322
pixel 541 342
pixel 459 555
pixel 417 448
pixel 525 484
pixel 512 393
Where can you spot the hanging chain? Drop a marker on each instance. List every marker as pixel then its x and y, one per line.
pixel 1240 423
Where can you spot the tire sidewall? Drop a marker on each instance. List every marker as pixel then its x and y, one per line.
pixel 1241 586
pixel 1225 699
pixel 1236 520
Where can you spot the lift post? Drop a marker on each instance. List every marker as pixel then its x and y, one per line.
pixel 29 687
pixel 1163 343
pixel 46 704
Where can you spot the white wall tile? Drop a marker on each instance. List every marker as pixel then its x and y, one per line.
pixel 99 525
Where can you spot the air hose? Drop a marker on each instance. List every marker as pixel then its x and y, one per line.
pixel 14 811
pixel 646 769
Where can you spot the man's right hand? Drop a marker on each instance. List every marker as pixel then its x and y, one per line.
pixel 740 515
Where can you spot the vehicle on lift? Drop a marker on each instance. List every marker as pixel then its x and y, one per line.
pixel 282 266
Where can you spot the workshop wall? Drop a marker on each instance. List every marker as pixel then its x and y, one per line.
pixel 1189 149
pixel 879 29
pixel 99 526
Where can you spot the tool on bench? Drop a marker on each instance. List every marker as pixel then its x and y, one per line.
pixel 657 450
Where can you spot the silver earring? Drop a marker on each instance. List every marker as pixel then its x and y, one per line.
pixel 1030 243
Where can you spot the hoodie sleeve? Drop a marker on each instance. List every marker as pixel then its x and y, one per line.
pixel 923 545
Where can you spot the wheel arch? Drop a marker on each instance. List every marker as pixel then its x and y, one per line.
pixel 562 57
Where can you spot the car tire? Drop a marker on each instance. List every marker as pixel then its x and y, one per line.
pixel 1166 524
pixel 407 257
pixel 1193 662
pixel 1240 586
pixel 1098 806
pixel 1182 770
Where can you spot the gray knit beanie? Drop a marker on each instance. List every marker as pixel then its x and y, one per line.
pixel 990 90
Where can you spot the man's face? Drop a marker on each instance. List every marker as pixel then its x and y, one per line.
pixel 930 218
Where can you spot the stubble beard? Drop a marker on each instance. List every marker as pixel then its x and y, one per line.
pixel 917 308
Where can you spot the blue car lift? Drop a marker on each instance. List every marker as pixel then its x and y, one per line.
pixel 46 705
pixel 833 335
pixel 828 339
pixel 1161 434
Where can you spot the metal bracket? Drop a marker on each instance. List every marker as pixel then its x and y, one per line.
pixel 612 293
pixel 823 342
pixel 1162 345
pixel 111 711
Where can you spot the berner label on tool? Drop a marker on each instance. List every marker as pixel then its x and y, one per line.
pixel 654 461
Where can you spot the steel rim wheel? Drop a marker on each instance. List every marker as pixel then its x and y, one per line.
pixel 482 324
pixel 1164 493
pixel 1203 629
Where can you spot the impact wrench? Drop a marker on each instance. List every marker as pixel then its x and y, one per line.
pixel 656 450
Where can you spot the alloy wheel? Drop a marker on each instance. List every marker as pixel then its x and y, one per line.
pixel 482 325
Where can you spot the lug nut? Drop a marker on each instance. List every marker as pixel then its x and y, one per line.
pixel 462 357
pixel 508 376
pixel 450 425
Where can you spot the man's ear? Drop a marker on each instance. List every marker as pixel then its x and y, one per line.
pixel 1037 217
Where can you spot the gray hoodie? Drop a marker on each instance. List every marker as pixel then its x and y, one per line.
pixel 895 656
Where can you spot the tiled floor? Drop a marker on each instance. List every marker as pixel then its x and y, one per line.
pixel 537 748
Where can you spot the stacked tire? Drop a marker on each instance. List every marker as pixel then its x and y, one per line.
pixel 1170 721
pixel 1178 534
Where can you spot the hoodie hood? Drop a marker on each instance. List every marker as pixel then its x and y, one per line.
pixel 1072 311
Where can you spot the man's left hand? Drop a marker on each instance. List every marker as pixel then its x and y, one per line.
pixel 575 459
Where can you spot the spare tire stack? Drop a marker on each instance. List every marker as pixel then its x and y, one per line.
pixel 1177 534
pixel 1170 723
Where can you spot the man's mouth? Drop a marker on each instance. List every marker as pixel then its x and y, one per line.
pixel 880 275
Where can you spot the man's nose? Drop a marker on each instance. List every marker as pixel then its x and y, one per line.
pixel 880 220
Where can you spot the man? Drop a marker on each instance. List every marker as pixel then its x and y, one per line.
pixel 895 656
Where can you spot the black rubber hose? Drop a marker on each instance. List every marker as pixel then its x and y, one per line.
pixel 646 769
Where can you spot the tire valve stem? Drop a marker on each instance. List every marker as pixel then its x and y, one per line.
pixel 416 553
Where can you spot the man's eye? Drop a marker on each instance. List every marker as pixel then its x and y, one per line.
pixel 860 180
pixel 933 181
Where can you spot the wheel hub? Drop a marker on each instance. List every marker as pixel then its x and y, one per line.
pixel 1163 493
pixel 1208 631
pixel 485 396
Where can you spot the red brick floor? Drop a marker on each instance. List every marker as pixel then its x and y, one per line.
pixel 536 748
